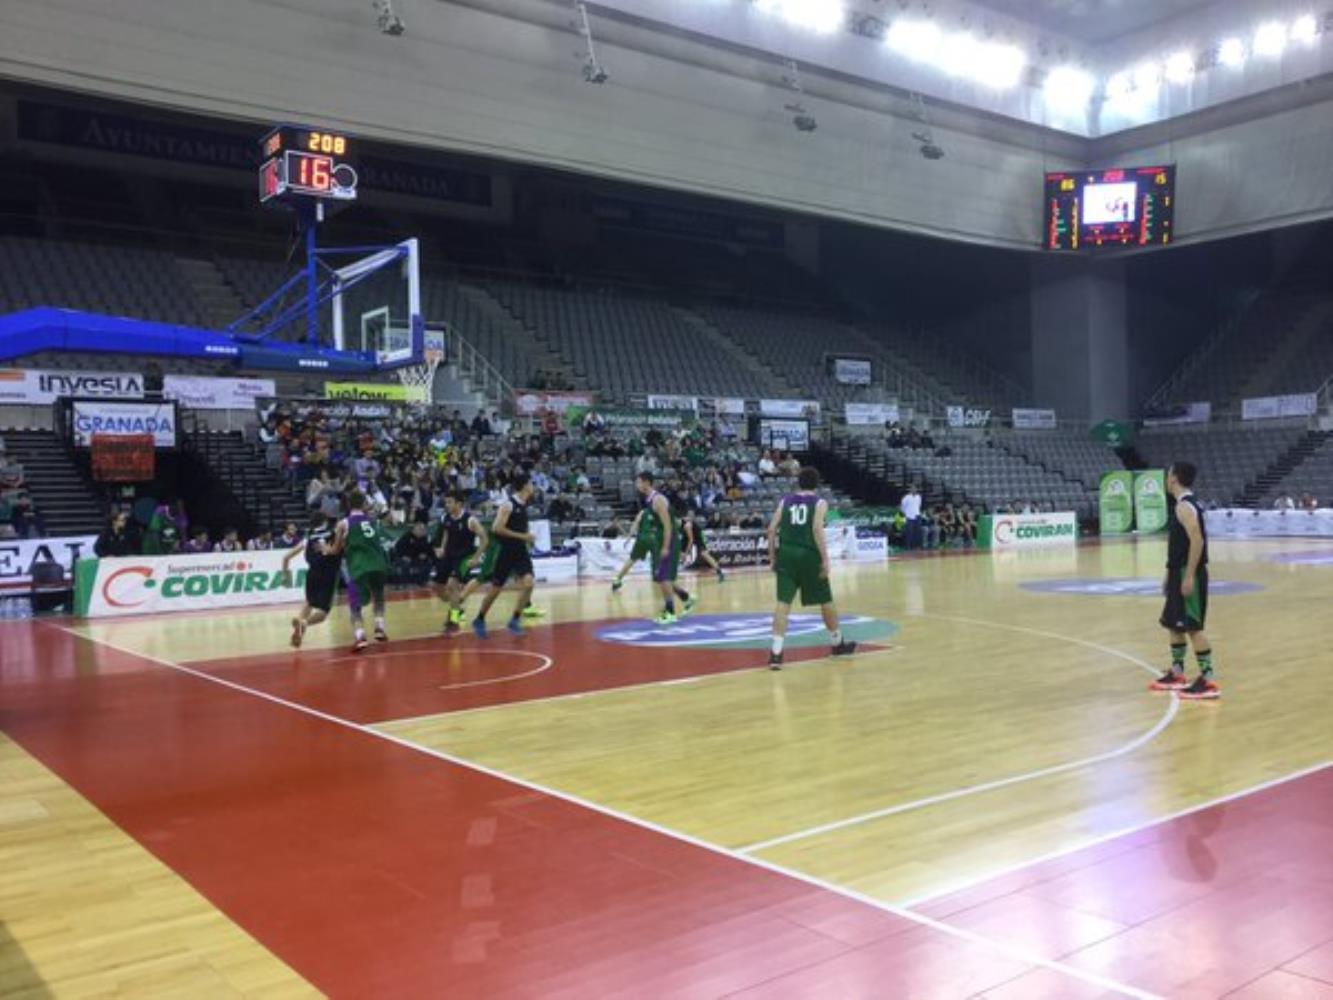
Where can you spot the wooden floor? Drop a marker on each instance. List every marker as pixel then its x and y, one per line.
pixel 987 725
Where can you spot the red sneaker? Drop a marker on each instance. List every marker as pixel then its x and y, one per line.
pixel 1201 690
pixel 1170 681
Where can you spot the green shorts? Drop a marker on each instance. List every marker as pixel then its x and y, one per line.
pixel 666 568
pixel 798 572
pixel 485 569
pixel 370 587
pixel 642 549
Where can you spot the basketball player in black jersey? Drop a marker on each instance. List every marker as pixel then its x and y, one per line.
pixel 1186 589
pixel 324 560
pixel 459 536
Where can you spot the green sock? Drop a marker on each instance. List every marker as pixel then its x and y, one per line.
pixel 1205 660
pixel 1178 657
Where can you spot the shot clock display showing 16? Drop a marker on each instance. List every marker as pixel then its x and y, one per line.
pixel 298 162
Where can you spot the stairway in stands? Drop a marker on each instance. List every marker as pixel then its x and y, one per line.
pixel 63 498
pixel 219 302
pixel 1285 464
pixel 266 494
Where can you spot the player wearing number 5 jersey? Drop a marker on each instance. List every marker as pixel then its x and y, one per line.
pixel 798 552
pixel 363 547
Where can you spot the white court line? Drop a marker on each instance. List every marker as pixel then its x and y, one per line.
pixel 547 663
pixel 1018 954
pixel 1172 707
pixel 1106 838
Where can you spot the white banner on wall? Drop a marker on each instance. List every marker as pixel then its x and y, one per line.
pixel 785 435
pixel 1245 523
pixel 1028 420
pixel 157 419
pixel 1182 413
pixel 871 414
pixel 673 403
pixel 36 385
pixel 729 406
pixel 789 408
pixel 137 585
pixel 1272 407
pixel 962 417
pixel 851 371
pixel 203 393
pixel 18 554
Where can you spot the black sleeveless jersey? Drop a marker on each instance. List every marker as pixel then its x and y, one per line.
pixel 314 547
pixel 1177 541
pixel 517 523
pixel 458 538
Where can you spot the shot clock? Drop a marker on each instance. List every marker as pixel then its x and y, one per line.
pixel 298 163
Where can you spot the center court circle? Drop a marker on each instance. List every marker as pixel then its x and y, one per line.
pixel 743 631
pixel 1129 586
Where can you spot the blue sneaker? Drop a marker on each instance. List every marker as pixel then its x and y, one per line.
pixel 516 627
pixel 479 628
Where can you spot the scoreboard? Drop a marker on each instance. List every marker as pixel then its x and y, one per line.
pixel 1125 206
pixel 298 163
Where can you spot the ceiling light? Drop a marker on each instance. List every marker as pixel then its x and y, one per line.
pixel 1231 53
pixel 1270 39
pixel 822 16
pixel 958 54
pixel 919 40
pixel 999 65
pixel 1304 28
pixel 1180 67
pixel 1068 87
pixel 1147 76
pixel 1120 84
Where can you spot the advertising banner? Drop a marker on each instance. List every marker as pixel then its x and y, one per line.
pixel 155 419
pixel 1245 523
pixel 1272 407
pixel 392 392
pixel 123 458
pixel 789 408
pixel 1150 501
pixel 202 393
pixel 18 555
pixel 673 403
pixel 1015 531
pixel 136 585
pixel 1181 413
pixel 729 406
pixel 851 371
pixel 602 557
pixel 1033 420
pixel 562 568
pixel 871 414
pixel 631 418
pixel 1117 503
pixel 529 402
pixel 27 386
pixel 1113 433
pixel 959 416
pixel 785 435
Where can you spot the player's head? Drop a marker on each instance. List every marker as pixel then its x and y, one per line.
pixel 356 501
pixel 644 481
pixel 808 478
pixel 520 485
pixel 1180 476
pixel 455 502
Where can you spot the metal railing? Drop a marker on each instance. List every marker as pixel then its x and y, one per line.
pixel 1165 393
pixel 476 368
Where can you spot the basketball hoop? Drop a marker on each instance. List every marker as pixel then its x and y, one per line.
pixel 421 378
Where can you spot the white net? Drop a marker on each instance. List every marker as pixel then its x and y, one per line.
pixel 419 379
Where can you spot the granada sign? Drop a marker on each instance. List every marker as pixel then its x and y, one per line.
pixel 1011 531
pixel 157 420
pixel 137 585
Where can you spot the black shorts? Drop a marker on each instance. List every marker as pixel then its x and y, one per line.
pixel 320 587
pixel 1186 614
pixel 511 562
pixel 449 568
pixel 700 542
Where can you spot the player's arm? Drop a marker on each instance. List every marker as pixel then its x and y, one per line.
pixel 479 529
pixel 663 511
pixel 686 535
pixel 339 538
pixel 291 556
pixel 443 541
pixel 1189 520
pixel 773 524
pixel 821 512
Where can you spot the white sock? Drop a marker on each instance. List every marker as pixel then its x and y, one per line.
pixel 836 636
pixel 379 622
pixel 778 640
pixel 360 632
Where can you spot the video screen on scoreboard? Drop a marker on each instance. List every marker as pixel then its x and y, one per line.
pixel 1119 207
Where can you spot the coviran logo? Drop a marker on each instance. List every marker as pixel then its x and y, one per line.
pixel 119 590
pixel 1007 530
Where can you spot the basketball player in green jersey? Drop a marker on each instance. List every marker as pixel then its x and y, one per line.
pixel 798 552
pixel 696 539
pixel 362 543
pixel 664 544
pixel 642 530
pixel 1186 589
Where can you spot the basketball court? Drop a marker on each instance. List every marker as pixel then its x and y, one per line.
pixel 985 801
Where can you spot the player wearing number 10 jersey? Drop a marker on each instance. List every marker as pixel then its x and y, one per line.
pixel 798 552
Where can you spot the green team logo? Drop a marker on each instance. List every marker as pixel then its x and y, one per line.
pixel 1117 503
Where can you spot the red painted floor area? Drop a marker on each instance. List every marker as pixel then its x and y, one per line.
pixel 1235 900
pixel 378 871
pixel 428 676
